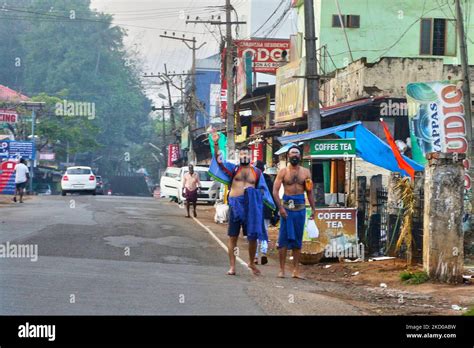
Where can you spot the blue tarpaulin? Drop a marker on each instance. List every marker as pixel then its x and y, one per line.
pixel 369 147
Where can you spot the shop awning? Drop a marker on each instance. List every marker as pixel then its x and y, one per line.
pixel 285 148
pixel 317 134
pixel 369 147
pixel 332 110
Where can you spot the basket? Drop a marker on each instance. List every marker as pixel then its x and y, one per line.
pixel 311 253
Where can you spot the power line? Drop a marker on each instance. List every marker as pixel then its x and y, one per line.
pixel 268 19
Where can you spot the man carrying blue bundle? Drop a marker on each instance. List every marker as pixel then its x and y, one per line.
pixel 248 193
pixel 296 181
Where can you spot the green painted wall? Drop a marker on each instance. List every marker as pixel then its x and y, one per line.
pixel 383 24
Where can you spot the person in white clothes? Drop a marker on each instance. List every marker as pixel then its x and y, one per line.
pixel 22 175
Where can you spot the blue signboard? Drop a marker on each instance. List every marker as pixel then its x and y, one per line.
pixel 17 149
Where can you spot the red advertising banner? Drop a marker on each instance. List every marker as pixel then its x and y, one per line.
pixel 257 149
pixel 173 154
pixel 268 55
pixel 7 177
pixel 10 116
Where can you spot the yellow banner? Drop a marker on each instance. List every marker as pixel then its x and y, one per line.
pixel 290 88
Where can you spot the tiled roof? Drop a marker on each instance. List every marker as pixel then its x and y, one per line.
pixel 7 94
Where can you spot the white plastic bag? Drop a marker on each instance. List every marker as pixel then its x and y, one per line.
pixel 222 212
pixel 313 231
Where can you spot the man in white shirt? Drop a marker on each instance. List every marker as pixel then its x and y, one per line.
pixel 22 175
pixel 191 186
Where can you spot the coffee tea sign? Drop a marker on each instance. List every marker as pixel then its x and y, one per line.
pixel 332 148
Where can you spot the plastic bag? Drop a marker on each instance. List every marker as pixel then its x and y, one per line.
pixel 222 213
pixel 313 231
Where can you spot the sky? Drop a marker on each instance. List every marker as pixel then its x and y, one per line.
pixel 146 20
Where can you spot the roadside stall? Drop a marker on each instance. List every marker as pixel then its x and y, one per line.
pixel 332 165
pixel 330 154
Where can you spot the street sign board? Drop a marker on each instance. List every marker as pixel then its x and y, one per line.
pixel 9 116
pixel 17 149
pixel 7 178
pixel 332 148
pixel 268 54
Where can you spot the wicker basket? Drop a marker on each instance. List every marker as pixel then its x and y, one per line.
pixel 311 253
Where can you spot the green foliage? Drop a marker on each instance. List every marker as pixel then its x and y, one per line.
pixel 470 312
pixel 80 59
pixel 414 277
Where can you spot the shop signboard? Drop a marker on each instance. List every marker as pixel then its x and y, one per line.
pixel 173 154
pixel 290 88
pixel 268 54
pixel 437 124
pixel 332 148
pixel 337 229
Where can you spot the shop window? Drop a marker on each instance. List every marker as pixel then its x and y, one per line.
pixel 438 37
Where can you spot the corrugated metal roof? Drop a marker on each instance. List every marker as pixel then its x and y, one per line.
pixel 316 134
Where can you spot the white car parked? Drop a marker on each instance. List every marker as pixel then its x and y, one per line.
pixel 171 184
pixel 78 179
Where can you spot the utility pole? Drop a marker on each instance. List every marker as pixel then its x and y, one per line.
pixel 163 129
pixel 166 79
pixel 192 113
pixel 229 63
pixel 312 77
pixel 465 73
pixel 467 94
pixel 173 123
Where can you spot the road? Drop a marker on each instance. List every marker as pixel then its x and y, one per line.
pixel 109 255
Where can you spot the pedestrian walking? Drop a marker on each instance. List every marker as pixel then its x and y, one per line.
pixel 191 187
pixel 22 175
pixel 296 181
pixel 248 193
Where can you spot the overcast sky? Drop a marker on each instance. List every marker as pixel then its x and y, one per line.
pixel 145 20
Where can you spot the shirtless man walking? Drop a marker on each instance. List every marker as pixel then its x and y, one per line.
pixel 242 179
pixel 191 187
pixel 296 181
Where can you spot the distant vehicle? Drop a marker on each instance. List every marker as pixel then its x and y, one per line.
pixel 209 188
pixel 43 190
pixel 78 179
pixel 169 183
pixel 100 190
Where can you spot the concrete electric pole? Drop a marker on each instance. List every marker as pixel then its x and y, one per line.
pixel 192 114
pixel 312 77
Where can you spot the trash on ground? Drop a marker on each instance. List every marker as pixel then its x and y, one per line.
pixel 458 308
pixel 383 285
pixel 327 266
pixel 381 258
pixel 355 273
pixel 356 260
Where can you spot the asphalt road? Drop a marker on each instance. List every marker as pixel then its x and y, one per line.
pixel 132 256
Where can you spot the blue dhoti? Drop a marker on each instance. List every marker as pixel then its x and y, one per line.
pixel 247 212
pixel 292 228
